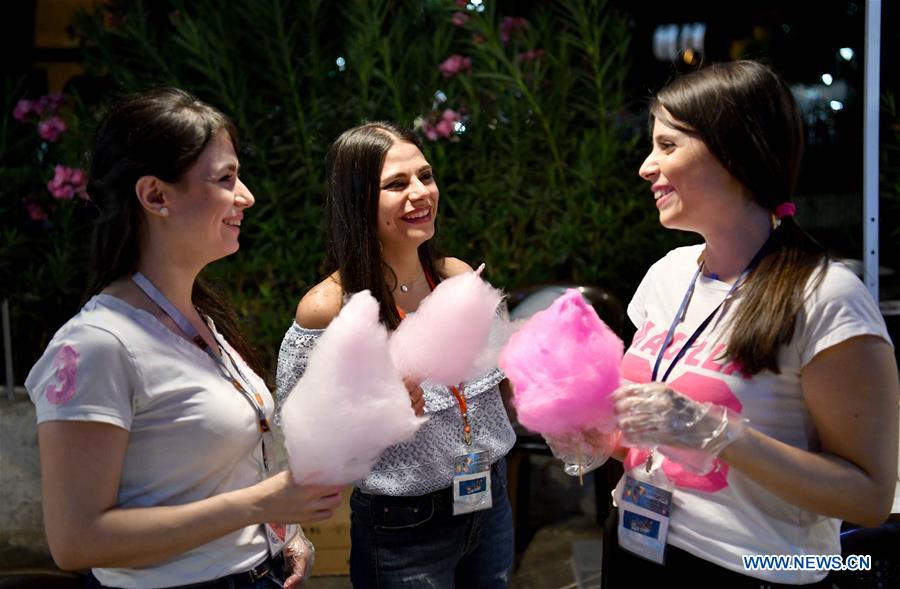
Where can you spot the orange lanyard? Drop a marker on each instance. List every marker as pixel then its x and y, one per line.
pixel 457 391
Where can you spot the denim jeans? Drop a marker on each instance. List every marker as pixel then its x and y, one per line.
pixel 418 542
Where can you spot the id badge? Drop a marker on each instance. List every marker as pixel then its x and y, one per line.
pixel 278 535
pixel 644 511
pixel 472 482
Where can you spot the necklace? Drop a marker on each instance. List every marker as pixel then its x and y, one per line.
pixel 406 287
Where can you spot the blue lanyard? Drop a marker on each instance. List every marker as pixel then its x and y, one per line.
pixel 682 310
pixel 241 384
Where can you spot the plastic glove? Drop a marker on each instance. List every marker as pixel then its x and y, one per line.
pixel 652 415
pixel 299 556
pixel 583 451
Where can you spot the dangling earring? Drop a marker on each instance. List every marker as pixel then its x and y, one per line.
pixel 164 211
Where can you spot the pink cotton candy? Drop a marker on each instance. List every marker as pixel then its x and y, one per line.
pixel 564 365
pixel 350 404
pixel 442 340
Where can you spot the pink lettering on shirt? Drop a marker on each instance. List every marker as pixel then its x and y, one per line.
pixel 641 333
pixel 675 346
pixel 710 362
pixel 654 343
pixel 66 365
pixel 691 359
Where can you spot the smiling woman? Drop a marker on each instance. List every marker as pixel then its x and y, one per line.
pixel 152 421
pixel 764 400
pixel 382 208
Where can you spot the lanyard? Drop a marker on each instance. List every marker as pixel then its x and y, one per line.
pixel 682 310
pixel 240 382
pixel 458 391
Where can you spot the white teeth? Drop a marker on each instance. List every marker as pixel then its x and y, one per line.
pixel 233 223
pixel 658 194
pixel 417 215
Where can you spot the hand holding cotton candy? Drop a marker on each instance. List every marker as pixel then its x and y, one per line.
pixel 350 404
pixel 564 364
pixel 441 341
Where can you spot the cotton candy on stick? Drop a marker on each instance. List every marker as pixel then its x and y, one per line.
pixel 350 404
pixel 441 341
pixel 564 362
pixel 564 365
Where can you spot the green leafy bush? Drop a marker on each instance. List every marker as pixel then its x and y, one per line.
pixel 525 122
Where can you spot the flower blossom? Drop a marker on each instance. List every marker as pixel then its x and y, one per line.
pixel 455 64
pixel 35 211
pixel 459 19
pixel 510 25
pixel 52 129
pixel 444 127
pixel 67 182
pixel 532 55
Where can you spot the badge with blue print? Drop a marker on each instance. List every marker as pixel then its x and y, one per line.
pixel 644 511
pixel 472 482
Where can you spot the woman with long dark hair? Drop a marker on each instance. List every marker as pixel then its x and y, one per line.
pixel 381 206
pixel 153 422
pixel 756 350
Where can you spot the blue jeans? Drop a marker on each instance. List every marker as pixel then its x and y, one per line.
pixel 418 542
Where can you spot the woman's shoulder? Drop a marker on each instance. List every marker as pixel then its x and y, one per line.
pixel 836 281
pixel 320 304
pixel 449 267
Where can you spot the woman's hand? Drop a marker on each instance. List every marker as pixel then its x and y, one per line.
pixel 583 451
pixel 299 556
pixel 654 415
pixel 281 499
pixel 416 395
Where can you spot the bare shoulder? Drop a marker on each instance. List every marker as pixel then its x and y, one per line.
pixel 452 266
pixel 320 304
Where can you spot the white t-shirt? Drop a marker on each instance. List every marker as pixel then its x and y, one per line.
pixel 192 435
pixel 724 515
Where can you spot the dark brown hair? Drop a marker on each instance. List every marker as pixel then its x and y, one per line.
pixel 353 176
pixel 745 114
pixel 160 133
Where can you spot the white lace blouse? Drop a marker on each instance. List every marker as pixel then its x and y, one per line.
pixel 425 463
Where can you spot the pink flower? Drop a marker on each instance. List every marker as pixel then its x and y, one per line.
pixel 455 64
pixel 67 182
pixel 23 109
pixel 52 129
pixel 531 55
pixel 444 128
pixel 77 176
pixel 451 115
pixel 429 130
pixel 35 212
pixel 510 25
pixel 50 103
pixel 459 18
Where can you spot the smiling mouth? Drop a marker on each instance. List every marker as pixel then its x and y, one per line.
pixel 232 222
pixel 658 194
pixel 417 216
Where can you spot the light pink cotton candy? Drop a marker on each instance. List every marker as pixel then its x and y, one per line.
pixel 564 364
pixel 350 404
pixel 442 340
